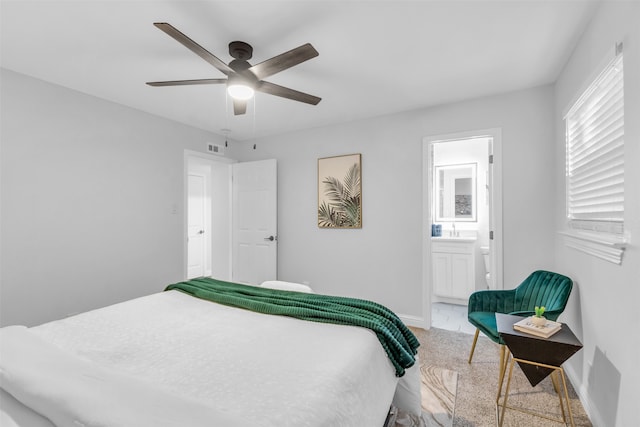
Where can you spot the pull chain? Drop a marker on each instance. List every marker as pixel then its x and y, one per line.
pixel 254 120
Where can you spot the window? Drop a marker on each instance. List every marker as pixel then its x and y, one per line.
pixel 595 166
pixel 595 154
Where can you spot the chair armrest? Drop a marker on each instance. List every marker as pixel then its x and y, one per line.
pixel 497 301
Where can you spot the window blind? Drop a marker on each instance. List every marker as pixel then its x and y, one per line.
pixel 595 153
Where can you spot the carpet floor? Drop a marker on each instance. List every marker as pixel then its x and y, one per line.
pixel 443 357
pixel 438 399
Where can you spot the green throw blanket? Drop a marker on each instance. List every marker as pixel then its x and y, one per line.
pixel 396 339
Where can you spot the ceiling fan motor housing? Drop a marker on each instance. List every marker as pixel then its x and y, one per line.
pixel 240 50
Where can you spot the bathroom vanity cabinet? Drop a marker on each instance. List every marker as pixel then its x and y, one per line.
pixel 453 266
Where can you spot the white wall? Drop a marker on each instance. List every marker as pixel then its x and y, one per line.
pixel 383 260
pixel 602 309
pixel 91 201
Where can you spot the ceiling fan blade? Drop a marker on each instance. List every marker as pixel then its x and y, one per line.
pixel 239 107
pixel 194 47
pixel 283 61
pixel 274 89
pixel 188 82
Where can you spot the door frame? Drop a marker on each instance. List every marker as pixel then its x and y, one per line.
pixel 495 209
pixel 214 160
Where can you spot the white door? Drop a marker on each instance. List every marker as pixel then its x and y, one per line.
pixel 255 244
pixel 195 225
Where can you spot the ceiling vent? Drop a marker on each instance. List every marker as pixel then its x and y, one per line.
pixel 215 149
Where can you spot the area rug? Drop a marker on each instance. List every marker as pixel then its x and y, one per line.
pixel 438 399
pixel 477 383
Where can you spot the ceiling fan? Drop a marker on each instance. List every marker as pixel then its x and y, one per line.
pixel 243 78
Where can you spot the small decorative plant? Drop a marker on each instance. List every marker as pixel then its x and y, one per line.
pixel 539 319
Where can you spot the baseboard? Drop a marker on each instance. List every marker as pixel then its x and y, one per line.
pixel 415 321
pixel 581 390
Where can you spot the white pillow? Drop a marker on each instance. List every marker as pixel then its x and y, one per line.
pixel 287 286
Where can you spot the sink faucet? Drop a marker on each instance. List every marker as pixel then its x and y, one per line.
pixel 453 232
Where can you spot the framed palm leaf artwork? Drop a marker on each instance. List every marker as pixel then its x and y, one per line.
pixel 340 192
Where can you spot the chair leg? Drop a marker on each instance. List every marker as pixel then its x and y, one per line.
pixel 473 347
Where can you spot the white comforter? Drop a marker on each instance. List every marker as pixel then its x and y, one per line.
pixel 169 359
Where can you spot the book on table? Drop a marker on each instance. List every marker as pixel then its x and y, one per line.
pixel 526 325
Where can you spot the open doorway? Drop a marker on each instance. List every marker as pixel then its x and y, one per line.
pixel 462 214
pixel 207 223
pixel 230 221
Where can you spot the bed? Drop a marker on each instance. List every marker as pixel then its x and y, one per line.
pixel 172 359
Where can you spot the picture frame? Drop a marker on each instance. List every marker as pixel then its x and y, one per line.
pixel 340 191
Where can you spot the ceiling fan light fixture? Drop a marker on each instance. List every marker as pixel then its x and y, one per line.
pixel 240 91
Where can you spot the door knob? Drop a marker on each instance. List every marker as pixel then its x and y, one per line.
pixel 270 238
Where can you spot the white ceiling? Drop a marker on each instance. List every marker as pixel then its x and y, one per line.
pixel 376 57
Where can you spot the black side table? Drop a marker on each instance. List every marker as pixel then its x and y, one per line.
pixel 538 358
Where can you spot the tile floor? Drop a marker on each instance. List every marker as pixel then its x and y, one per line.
pixel 451 317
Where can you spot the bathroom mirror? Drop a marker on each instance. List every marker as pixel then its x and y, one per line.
pixel 455 192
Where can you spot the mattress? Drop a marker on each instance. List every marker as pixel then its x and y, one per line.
pixel 179 359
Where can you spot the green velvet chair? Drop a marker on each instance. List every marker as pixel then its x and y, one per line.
pixel 541 288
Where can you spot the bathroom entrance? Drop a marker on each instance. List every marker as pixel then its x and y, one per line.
pixel 462 222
